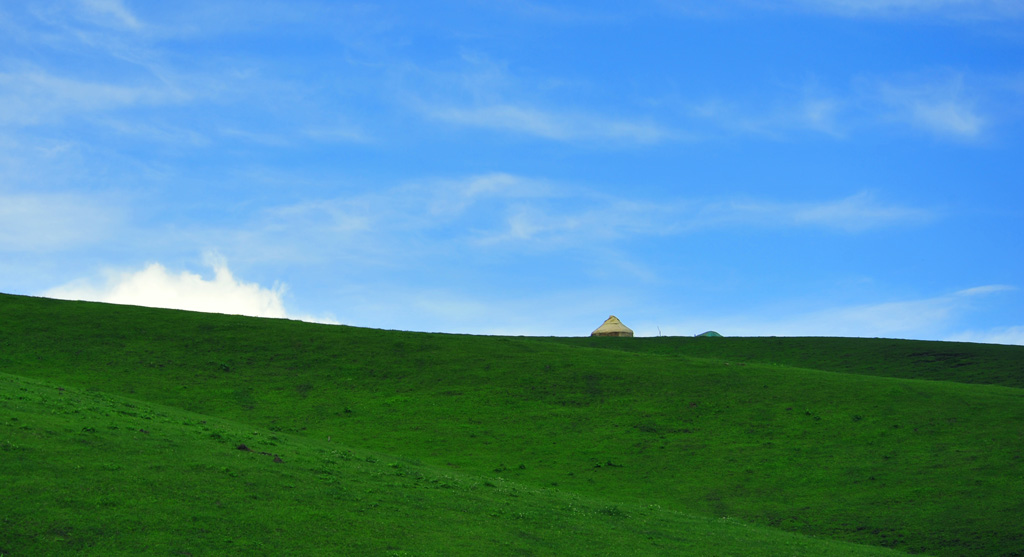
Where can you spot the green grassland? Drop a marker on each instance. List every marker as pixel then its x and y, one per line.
pixel 119 429
pixel 911 359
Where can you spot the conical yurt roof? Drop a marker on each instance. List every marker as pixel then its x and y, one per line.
pixel 610 326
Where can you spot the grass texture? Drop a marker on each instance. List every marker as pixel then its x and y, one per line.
pixel 120 430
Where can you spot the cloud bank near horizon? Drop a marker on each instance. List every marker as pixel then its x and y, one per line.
pixel 155 286
pixel 930 318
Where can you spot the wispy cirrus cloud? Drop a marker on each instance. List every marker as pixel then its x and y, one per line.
pixel 859 212
pixel 36 96
pixel 547 12
pixel 113 11
pixel 940 104
pixel 814 112
pixel 55 221
pixel 944 104
pixel 129 78
pixel 995 11
pixel 915 318
pixel 589 217
pixel 485 94
pixel 997 335
pixel 499 209
pixel 576 311
pixel 617 219
pixel 451 207
pixel 931 318
pixel 947 117
pixel 551 124
pixel 340 132
pixel 948 9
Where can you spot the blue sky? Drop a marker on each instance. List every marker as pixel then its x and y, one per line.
pixel 835 167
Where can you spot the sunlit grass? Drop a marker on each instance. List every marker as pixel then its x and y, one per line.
pixel 99 474
pixel 495 444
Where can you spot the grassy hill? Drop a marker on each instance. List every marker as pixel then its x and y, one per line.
pixel 413 443
pixel 962 362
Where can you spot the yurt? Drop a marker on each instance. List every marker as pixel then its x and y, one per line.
pixel 612 327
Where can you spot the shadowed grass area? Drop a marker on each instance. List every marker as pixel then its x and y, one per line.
pixel 690 427
pixel 962 362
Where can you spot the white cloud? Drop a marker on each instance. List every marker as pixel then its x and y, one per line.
pixel 155 286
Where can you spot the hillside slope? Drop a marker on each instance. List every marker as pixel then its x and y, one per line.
pixel 921 466
pixel 963 362
pixel 91 473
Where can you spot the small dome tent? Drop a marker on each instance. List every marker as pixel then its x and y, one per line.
pixel 612 327
pixel 709 334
